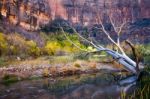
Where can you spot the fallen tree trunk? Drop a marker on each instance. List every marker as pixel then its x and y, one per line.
pixel 121 58
pixel 124 60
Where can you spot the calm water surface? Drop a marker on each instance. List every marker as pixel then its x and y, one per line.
pixel 85 86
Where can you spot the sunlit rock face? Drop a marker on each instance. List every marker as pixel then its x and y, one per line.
pixel 85 11
pixel 31 14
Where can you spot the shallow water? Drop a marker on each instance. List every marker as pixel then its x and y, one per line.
pixel 85 86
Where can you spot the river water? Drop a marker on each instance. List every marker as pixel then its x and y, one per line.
pixel 85 86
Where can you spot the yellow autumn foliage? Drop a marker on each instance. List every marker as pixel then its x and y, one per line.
pixel 52 47
pixel 3 44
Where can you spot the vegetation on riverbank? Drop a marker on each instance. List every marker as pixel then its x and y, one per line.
pixel 142 90
pixel 20 58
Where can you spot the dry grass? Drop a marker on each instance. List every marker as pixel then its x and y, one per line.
pixel 68 70
pixel 46 72
pixel 42 66
pixel 117 65
pixel 53 70
pixel 29 63
pixel 93 65
pixel 77 65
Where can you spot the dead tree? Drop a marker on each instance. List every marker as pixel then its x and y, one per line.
pixel 120 56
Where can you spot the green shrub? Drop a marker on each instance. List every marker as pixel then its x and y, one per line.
pixel 33 49
pixel 2 61
pixel 55 25
pixel 13 50
pixel 144 52
pixel 77 65
pixel 147 60
pixel 59 44
pixel 56 44
pixel 3 44
pixel 17 44
pixel 52 47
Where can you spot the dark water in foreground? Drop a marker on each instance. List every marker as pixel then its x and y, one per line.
pixel 86 86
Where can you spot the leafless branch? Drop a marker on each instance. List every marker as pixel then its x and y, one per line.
pixel 90 42
pixel 134 53
pixel 112 23
pixel 72 41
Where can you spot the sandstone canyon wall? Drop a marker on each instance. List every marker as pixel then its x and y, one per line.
pixel 31 14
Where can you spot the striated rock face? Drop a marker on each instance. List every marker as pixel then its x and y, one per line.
pixel 85 11
pixel 31 14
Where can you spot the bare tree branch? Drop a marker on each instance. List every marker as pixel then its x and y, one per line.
pixel 134 53
pixel 90 42
pixel 72 41
pixel 107 34
pixel 112 23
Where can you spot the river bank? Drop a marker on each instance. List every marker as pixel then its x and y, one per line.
pixel 43 67
pixel 64 78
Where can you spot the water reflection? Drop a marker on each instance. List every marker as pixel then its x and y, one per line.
pixel 95 86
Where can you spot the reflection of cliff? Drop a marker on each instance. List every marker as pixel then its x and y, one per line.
pixel 32 13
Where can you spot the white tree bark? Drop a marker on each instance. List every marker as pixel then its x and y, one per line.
pixel 120 56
